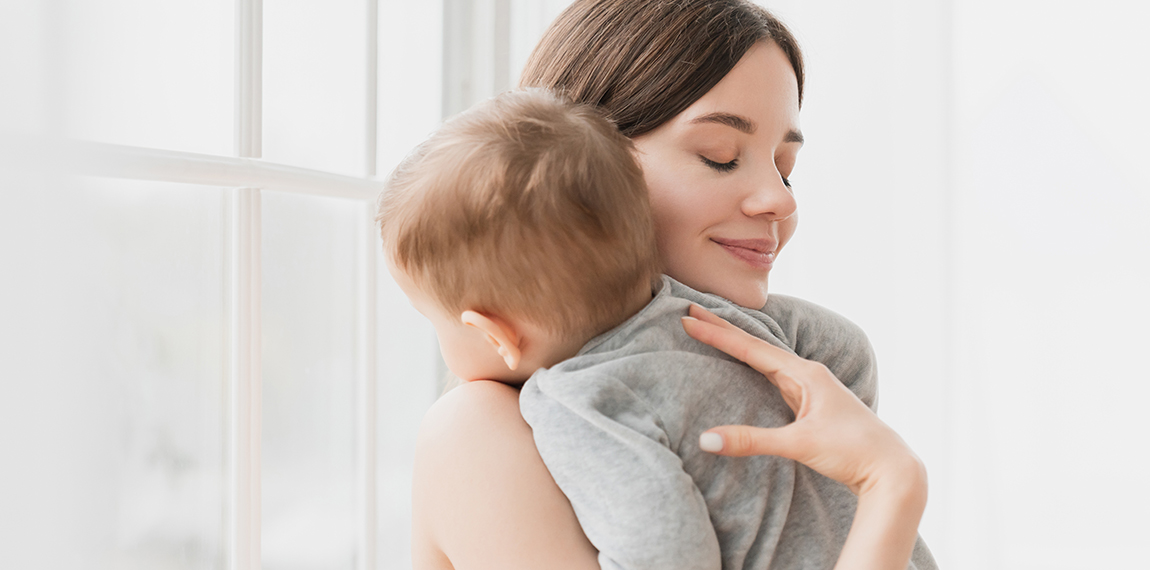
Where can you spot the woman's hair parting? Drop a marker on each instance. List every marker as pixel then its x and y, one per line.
pixel 644 61
pixel 526 205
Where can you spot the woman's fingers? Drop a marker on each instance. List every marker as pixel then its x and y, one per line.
pixel 741 441
pixel 833 433
pixel 759 354
pixel 774 362
pixel 698 312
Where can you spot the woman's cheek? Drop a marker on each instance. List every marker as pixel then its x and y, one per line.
pixel 669 202
pixel 673 226
pixel 668 231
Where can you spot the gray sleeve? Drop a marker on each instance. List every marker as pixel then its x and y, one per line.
pixel 819 334
pixel 609 454
pixel 921 557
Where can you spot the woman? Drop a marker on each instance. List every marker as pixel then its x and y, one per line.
pixel 709 91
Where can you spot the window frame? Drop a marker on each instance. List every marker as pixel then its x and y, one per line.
pixel 246 174
pixel 476 63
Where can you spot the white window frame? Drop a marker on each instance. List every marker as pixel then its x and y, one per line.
pixel 246 174
pixel 478 40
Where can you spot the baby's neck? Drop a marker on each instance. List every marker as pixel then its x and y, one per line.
pixel 553 349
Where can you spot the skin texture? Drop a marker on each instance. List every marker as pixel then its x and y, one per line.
pixel 479 345
pixel 466 348
pixel 477 430
pixel 717 173
pixel 482 498
pixel 713 184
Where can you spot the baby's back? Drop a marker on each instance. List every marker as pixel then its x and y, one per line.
pixel 618 426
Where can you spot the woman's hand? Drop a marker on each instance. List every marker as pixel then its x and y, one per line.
pixel 833 433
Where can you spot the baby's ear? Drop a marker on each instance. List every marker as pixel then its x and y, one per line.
pixel 500 333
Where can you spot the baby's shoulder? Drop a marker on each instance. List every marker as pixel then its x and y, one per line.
pixel 807 325
pixel 820 334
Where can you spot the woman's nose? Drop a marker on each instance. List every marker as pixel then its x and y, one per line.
pixel 770 197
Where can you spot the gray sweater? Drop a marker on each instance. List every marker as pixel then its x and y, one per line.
pixel 618 426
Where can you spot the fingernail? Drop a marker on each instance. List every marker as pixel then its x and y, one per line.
pixel 689 318
pixel 712 442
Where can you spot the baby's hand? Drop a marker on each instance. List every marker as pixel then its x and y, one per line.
pixel 834 433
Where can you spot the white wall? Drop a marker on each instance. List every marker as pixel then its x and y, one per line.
pixel 1050 448
pixel 972 193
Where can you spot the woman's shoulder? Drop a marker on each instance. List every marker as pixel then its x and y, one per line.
pixel 472 431
pixel 478 405
pixel 481 496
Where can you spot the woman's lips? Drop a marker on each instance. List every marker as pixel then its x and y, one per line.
pixel 758 253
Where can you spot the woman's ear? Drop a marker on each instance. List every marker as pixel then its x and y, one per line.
pixel 500 333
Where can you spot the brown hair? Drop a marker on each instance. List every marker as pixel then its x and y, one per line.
pixel 527 206
pixel 644 61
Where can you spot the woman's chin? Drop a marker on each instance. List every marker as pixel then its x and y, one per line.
pixel 751 297
pixel 742 292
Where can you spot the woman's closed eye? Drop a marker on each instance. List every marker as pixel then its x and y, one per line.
pixel 720 166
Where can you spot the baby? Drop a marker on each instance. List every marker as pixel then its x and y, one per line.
pixel 522 230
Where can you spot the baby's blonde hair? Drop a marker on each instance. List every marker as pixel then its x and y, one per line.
pixel 524 206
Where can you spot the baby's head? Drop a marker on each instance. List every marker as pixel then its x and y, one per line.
pixel 521 229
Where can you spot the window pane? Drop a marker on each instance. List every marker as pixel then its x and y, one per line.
pixel 23 63
pixel 315 68
pixel 309 351
pixel 112 404
pixel 407 356
pixel 155 74
pixel 410 107
pixel 410 77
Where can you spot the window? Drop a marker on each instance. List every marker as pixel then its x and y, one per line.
pixel 203 364
pixel 210 367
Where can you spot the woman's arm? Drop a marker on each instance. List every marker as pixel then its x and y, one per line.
pixel 482 498
pixel 835 434
pixel 885 526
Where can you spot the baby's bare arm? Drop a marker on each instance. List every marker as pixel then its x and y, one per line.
pixel 482 498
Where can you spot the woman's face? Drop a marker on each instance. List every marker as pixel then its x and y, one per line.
pixel 717 175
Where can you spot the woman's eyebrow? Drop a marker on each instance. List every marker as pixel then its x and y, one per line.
pixel 743 124
pixel 734 121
